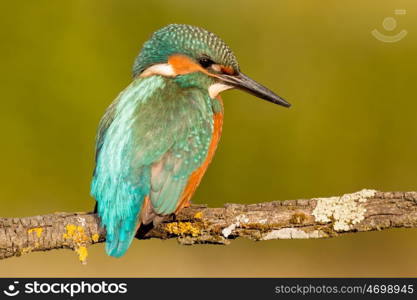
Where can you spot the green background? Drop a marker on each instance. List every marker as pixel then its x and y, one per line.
pixel 352 125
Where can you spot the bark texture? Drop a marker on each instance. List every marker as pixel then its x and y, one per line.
pixel 366 210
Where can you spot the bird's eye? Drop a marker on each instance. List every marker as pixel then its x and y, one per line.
pixel 205 62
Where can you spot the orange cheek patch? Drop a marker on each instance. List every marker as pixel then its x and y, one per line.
pixel 184 65
pixel 227 70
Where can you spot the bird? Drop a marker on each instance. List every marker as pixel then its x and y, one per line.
pixel 157 138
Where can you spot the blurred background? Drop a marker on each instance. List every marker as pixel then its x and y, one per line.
pixel 352 124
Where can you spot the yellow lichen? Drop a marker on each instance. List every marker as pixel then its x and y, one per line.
pixel 198 215
pixel 95 237
pixel 82 254
pixel 77 235
pixel 182 228
pixel 37 230
pixel 70 231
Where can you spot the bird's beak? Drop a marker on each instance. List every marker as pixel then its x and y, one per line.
pixel 243 82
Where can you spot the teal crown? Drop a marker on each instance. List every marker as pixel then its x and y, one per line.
pixel 189 40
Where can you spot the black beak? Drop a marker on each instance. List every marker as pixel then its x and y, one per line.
pixel 243 82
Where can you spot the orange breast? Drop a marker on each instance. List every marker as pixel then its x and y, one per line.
pixel 198 174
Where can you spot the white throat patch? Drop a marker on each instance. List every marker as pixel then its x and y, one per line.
pixel 217 88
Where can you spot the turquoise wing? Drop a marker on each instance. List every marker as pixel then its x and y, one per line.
pixel 148 144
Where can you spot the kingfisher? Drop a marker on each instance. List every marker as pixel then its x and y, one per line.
pixel 157 138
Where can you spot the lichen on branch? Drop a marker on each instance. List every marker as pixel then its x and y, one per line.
pixel 365 210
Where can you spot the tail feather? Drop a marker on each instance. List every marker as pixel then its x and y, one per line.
pixel 118 241
pixel 119 210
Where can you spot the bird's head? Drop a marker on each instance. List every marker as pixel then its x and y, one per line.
pixel 181 51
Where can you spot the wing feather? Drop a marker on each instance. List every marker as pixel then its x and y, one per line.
pixel 148 144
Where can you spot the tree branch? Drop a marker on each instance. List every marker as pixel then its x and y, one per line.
pixel 366 210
